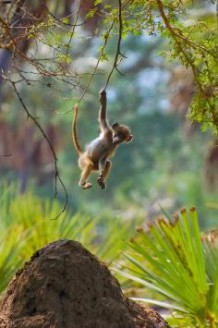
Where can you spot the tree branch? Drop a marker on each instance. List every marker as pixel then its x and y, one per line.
pixel 57 175
pixel 118 51
pixel 176 38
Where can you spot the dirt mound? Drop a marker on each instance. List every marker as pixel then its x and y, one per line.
pixel 64 286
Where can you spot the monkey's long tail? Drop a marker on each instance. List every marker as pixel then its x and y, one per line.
pixel 74 131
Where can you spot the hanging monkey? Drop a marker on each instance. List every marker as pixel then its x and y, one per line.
pixel 97 153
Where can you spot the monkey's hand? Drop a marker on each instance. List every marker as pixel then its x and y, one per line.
pixel 102 92
pixel 103 97
pixel 101 181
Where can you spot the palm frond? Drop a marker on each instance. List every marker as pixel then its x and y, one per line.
pixel 170 258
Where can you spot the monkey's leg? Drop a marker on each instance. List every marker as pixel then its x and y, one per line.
pixel 86 170
pixel 102 166
pixel 104 174
pixel 107 170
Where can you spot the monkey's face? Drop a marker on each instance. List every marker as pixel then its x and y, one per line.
pixel 121 133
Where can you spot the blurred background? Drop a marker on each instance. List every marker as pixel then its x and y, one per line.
pixel 170 164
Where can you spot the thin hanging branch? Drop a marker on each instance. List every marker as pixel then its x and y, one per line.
pixel 106 37
pixel 57 175
pixel 118 50
pixel 117 53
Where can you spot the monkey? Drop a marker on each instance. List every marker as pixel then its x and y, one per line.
pixel 97 154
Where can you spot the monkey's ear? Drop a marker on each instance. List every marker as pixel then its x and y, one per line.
pixel 115 125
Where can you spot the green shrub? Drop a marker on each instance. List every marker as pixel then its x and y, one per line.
pixel 171 258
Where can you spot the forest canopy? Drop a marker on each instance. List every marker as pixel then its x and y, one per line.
pixel 30 30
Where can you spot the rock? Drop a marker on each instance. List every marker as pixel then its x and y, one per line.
pixel 65 286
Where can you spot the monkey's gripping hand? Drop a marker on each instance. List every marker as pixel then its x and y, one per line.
pixel 102 92
pixel 103 99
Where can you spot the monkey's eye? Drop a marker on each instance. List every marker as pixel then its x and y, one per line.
pixel 120 135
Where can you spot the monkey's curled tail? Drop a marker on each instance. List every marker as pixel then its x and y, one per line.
pixel 74 131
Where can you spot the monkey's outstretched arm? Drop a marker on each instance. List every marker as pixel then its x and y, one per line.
pixel 102 118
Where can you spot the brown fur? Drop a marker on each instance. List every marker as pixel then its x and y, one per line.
pixel 97 153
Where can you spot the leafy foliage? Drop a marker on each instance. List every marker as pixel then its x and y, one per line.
pixel 170 258
pixel 10 247
pixel 191 34
pixel 192 42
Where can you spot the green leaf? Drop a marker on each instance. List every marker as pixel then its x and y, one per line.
pixel 170 258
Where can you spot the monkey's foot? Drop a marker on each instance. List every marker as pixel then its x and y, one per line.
pixel 86 185
pixel 101 182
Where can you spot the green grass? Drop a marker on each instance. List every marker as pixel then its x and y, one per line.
pixel 27 224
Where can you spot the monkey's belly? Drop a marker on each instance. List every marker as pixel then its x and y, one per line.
pixel 97 150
